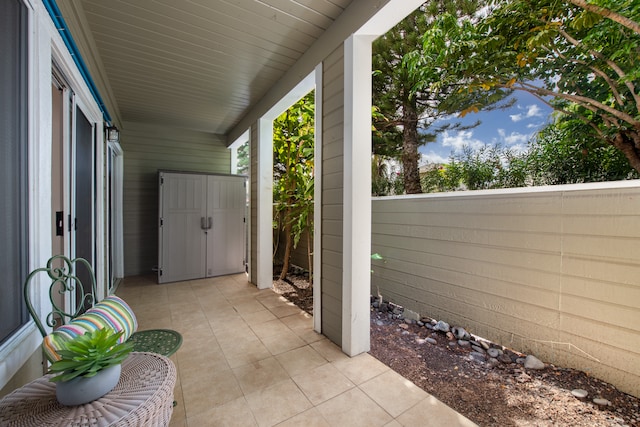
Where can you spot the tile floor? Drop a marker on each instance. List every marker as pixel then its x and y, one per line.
pixel 250 358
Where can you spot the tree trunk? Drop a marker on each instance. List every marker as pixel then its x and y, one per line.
pixel 410 145
pixel 287 247
pixel 629 143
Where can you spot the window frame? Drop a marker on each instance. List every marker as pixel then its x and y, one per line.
pixel 22 155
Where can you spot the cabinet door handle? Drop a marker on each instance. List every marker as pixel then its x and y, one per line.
pixel 210 223
pixel 203 225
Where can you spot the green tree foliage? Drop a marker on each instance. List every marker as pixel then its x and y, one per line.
pixel 564 152
pixel 583 58
pixel 396 127
pixel 385 179
pixel 406 102
pixel 293 145
pixel 243 159
pixel 486 168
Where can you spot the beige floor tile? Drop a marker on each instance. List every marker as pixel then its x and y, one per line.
pixel 250 306
pixel 431 412
pixel 308 336
pixel 281 343
pixel 361 368
pixel 215 388
pixel 259 375
pixel 186 321
pixel 329 350
pixel 191 365
pixel 300 360
pixel 309 418
pixel 258 317
pixel 232 289
pixel 277 403
pixel 214 303
pixel 394 393
pixel 165 323
pixel 300 320
pixel 284 310
pixel 196 342
pixel 245 352
pixel 354 408
pixel 182 298
pixel 235 334
pixel 268 329
pixel 271 300
pixel 235 413
pixel 237 359
pixel 322 383
pixel 178 422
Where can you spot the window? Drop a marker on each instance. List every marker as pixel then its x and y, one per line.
pixel 13 165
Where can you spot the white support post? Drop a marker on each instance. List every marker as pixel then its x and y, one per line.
pixel 265 204
pixel 317 206
pixel 356 276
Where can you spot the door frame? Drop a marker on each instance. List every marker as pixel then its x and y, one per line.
pixel 77 95
pixel 114 222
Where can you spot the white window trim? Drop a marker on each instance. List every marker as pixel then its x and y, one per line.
pixel 44 46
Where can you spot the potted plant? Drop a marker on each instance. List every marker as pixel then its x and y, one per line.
pixel 89 367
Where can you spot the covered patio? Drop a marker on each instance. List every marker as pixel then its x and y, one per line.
pixel 251 358
pixel 184 85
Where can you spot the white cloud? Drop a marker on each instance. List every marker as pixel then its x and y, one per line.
pixel 514 138
pixel 532 111
pixel 433 157
pixel 516 117
pixel 460 139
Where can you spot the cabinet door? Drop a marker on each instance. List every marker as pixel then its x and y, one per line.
pixel 226 200
pixel 183 210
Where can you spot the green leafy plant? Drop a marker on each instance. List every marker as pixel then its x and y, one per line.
pixel 88 354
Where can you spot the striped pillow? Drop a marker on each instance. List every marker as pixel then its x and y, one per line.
pixel 111 312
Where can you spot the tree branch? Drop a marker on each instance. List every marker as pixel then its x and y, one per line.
pixel 610 63
pixel 582 100
pixel 598 72
pixel 608 13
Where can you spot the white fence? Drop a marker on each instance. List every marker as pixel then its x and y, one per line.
pixel 551 271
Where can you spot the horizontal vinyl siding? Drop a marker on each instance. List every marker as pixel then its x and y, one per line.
pixel 332 194
pixel 551 272
pixel 148 149
pixel 253 149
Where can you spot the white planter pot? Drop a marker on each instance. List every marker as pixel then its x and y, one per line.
pixel 81 390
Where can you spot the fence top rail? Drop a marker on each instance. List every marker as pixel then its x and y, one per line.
pixel 547 189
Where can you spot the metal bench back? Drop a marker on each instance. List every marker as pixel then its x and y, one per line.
pixel 64 279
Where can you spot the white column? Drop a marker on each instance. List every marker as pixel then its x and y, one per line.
pixel 317 206
pixel 265 204
pixel 356 275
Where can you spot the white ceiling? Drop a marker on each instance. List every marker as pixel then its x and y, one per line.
pixel 200 64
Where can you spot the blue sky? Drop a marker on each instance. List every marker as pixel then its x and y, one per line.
pixel 510 128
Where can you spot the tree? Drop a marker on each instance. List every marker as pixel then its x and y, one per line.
pixel 243 159
pixel 406 102
pixel 392 94
pixel 582 58
pixel 293 139
pixel 565 152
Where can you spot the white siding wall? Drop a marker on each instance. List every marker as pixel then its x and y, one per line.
pixel 149 149
pixel 553 272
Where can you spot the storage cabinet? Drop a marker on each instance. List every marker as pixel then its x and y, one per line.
pixel 202 225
